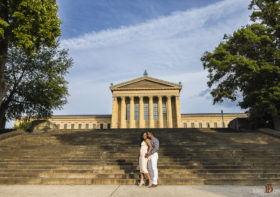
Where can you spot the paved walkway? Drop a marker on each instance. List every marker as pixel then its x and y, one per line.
pixel 131 191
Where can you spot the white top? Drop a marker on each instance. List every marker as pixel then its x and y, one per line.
pixel 144 148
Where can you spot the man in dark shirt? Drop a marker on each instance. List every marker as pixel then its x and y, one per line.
pixel 153 158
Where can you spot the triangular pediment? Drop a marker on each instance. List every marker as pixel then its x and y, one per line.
pixel 146 83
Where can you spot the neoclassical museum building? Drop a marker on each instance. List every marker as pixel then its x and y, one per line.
pixel 145 102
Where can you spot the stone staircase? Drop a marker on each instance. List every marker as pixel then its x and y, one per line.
pixel 186 156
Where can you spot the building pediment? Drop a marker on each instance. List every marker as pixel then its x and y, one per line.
pixel 146 83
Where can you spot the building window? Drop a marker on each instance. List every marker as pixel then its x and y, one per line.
pixel 200 125
pixel 208 125
pixel 58 126
pixel 192 125
pixel 136 111
pixel 65 126
pixel 80 126
pixel 164 114
pixel 72 126
pixel 185 125
pixel 94 126
pixel 127 111
pixel 215 125
pixel 146 111
pixel 155 111
pixel 101 126
pixel 108 126
pixel 86 126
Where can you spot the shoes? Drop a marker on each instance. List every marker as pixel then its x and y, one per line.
pixel 141 183
pixel 152 186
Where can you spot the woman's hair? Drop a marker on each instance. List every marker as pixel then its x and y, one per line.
pixel 141 137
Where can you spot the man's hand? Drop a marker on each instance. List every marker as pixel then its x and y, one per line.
pixel 146 155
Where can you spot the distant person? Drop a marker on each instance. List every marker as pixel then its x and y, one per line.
pixel 146 147
pixel 153 158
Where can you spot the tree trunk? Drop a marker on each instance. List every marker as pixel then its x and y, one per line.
pixel 276 122
pixel 4 86
pixel 3 58
pixel 3 119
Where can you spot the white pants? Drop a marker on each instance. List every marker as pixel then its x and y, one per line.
pixel 152 164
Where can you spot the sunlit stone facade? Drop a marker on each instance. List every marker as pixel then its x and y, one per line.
pixel 145 102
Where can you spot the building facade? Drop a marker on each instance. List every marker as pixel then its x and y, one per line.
pixel 145 102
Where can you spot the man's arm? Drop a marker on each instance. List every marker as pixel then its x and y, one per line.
pixel 156 147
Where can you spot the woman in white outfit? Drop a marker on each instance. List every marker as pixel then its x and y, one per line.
pixel 146 147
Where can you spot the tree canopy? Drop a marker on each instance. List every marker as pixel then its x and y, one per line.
pixel 245 66
pixel 27 24
pixel 37 83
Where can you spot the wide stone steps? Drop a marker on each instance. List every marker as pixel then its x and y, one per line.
pixel 186 156
pixel 131 166
pixel 163 171
pixel 163 181
pixel 127 163
pixel 135 176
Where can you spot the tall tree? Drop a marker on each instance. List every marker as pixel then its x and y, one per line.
pixel 245 66
pixel 27 24
pixel 37 83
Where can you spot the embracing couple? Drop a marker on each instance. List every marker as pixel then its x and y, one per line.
pixel 148 156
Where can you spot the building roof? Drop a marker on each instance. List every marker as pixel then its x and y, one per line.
pixel 83 115
pixel 185 114
pixel 213 114
pixel 146 83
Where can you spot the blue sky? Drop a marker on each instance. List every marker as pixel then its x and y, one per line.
pixel 85 16
pixel 112 41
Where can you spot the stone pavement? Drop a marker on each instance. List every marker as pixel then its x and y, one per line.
pixel 134 191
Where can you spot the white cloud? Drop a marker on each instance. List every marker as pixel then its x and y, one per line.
pixel 168 47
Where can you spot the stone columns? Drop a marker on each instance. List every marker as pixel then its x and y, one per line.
pixel 141 112
pixel 178 112
pixel 115 113
pixel 151 112
pixel 169 112
pixel 160 114
pixel 123 112
pixel 132 113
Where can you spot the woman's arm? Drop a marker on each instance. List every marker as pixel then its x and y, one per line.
pixel 148 142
